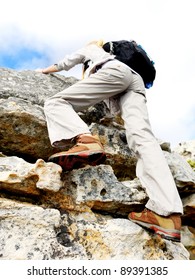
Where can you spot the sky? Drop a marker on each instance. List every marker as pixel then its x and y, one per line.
pixel 37 33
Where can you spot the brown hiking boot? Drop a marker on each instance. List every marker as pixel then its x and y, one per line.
pixel 88 150
pixel 168 227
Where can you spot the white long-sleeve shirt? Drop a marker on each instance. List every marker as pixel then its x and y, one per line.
pixel 91 52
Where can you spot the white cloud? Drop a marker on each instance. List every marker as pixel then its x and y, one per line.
pixel 165 29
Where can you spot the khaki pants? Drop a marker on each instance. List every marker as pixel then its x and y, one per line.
pixel 116 79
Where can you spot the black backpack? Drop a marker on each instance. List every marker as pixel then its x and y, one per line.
pixel 132 54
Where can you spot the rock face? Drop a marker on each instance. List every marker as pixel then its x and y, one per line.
pixel 82 214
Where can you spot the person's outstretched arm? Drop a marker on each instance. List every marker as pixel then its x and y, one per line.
pixel 48 70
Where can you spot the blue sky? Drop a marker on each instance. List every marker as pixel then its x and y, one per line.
pixel 21 57
pixel 38 33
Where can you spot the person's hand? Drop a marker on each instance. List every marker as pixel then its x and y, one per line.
pixel 48 70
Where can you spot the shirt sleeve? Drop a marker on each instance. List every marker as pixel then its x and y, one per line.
pixel 70 61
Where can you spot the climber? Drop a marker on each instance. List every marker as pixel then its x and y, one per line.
pixel 107 77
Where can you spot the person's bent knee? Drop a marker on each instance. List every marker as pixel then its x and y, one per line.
pixel 48 105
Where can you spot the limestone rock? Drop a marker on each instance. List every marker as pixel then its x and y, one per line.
pixel 187 150
pixel 32 233
pixel 188 240
pixel 189 210
pixel 29 233
pixel 31 86
pixel 23 127
pixel 49 214
pixel 182 172
pixel 117 151
pixel 106 238
pixel 19 176
pixel 98 188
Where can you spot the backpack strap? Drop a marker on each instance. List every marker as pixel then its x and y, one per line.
pixel 111 47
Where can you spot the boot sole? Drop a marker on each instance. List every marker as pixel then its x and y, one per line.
pixel 76 161
pixel 173 235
